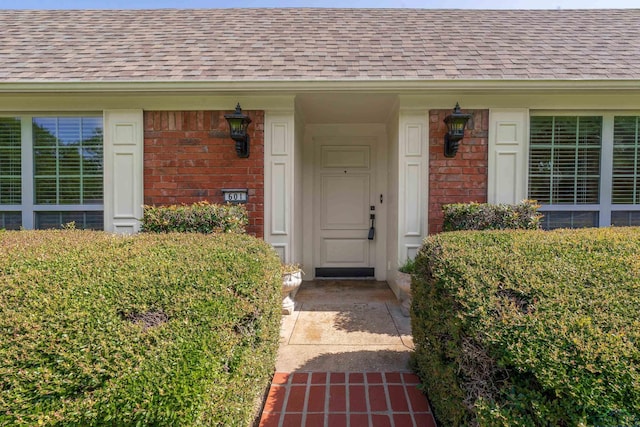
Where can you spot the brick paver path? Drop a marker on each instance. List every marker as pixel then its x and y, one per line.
pixel 352 399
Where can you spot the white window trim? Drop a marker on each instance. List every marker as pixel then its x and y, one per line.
pixel 28 207
pixel 606 165
pixel 606 169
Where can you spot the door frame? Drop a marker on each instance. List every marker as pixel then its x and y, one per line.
pixel 380 168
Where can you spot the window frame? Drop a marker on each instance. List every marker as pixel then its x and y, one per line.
pixel 28 207
pixel 606 206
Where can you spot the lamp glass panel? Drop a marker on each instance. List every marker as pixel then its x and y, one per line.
pixel 235 125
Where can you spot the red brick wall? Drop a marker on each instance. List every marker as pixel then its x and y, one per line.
pixel 462 178
pixel 189 156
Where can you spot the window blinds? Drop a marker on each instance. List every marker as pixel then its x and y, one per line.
pixel 68 156
pixel 10 161
pixel 564 159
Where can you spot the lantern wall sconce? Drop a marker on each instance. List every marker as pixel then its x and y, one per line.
pixel 238 124
pixel 456 122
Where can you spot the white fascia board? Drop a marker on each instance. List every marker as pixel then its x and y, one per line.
pixel 76 101
pixel 297 86
pixel 534 100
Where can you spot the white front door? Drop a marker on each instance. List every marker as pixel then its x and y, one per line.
pixel 343 199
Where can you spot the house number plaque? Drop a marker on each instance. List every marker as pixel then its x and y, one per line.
pixel 235 195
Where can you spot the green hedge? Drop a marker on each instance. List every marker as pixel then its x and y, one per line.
pixel 530 328
pixel 201 217
pixel 485 216
pixel 154 329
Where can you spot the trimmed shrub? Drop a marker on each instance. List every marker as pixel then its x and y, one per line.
pixel 530 328
pixel 485 216
pixel 154 329
pixel 201 217
pixel 408 267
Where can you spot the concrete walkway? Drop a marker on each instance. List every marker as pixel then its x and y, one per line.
pixel 343 361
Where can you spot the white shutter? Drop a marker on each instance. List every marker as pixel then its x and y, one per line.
pixel 123 174
pixel 413 185
pixel 279 182
pixel 507 174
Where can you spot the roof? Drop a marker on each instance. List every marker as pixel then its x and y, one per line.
pixel 317 45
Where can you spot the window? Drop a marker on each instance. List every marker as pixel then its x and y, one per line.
pixel 10 171
pixel 51 172
pixel 10 180
pixel 583 170
pixel 625 182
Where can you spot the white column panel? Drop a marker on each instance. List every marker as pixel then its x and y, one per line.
pixel 279 139
pixel 124 202
pixel 506 162
pixel 278 200
pixel 279 173
pixel 281 249
pixel 123 170
pixel 508 153
pixel 413 141
pixel 412 214
pixel 413 163
pixel 411 250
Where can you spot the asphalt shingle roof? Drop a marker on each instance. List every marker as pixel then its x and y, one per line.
pixel 318 44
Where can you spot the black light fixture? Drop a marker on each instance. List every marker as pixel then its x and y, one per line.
pixel 238 124
pixel 456 123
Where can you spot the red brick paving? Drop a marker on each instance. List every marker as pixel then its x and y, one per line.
pixel 377 398
pixel 353 399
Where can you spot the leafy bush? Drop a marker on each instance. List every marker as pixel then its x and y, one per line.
pixel 154 329
pixel 291 268
pixel 201 217
pixel 409 266
pixel 485 216
pixel 530 328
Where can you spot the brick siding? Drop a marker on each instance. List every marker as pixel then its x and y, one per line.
pixel 462 178
pixel 189 157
